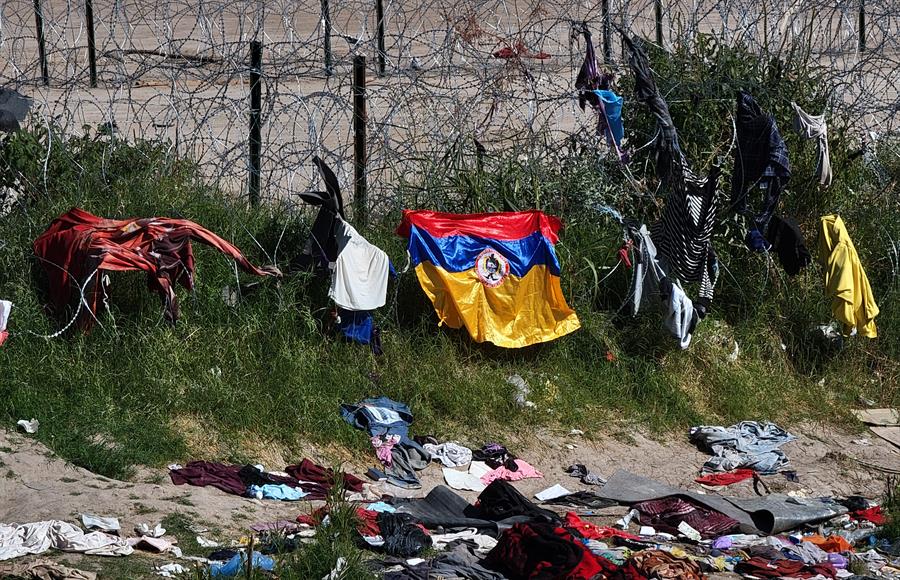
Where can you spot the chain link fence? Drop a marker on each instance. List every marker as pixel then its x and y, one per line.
pixel 178 71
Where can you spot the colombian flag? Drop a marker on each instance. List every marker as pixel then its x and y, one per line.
pixel 494 273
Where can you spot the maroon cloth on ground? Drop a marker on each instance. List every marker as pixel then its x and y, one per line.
pixel 726 478
pixel 229 478
pixel 203 473
pixel 781 568
pixel 541 551
pixel 306 470
pixel 665 514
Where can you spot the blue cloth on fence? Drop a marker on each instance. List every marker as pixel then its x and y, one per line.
pixel 273 491
pixel 612 108
pixel 748 444
pixel 239 562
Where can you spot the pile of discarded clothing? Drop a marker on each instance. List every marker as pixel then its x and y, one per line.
pixel 666 533
pixel 584 526
pixel 387 423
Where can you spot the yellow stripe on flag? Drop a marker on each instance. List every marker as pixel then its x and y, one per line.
pixel 519 312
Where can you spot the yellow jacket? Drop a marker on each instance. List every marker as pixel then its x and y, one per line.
pixel 846 284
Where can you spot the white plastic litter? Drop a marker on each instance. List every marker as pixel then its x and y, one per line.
pixel 735 353
pixel 647 531
pixel 230 296
pixel 521 391
pixel 552 493
pixel 625 521
pixel 337 573
pixel 104 524
pixel 156 531
pixel 5 308
pixel 483 543
pixel 170 570
pixel 479 469
pixel 462 480
pixel 204 543
pixel 29 427
pixel 689 532
pixel 375 541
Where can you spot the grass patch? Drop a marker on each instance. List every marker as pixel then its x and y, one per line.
pixel 267 371
pixel 337 540
pixel 143 509
pixel 156 479
pixel 179 525
pixel 891 508
pixel 180 500
pixel 135 566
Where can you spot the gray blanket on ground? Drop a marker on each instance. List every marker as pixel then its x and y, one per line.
pixel 764 515
pixel 748 444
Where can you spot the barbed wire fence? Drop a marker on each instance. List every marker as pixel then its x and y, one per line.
pixel 179 71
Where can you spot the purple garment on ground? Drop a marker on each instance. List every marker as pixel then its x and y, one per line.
pixel 723 543
pixel 665 514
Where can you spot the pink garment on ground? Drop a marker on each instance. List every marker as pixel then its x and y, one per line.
pixel 525 471
pixel 383 448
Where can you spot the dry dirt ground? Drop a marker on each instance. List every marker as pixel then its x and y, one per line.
pixel 35 484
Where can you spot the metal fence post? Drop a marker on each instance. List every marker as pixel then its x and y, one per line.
pixel 92 45
pixel 862 25
pixel 255 121
pixel 42 47
pixel 607 32
pixel 326 24
pixel 382 53
pixel 659 22
pixel 360 202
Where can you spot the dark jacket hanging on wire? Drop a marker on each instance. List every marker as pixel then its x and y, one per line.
pixel 760 158
pixel 669 158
